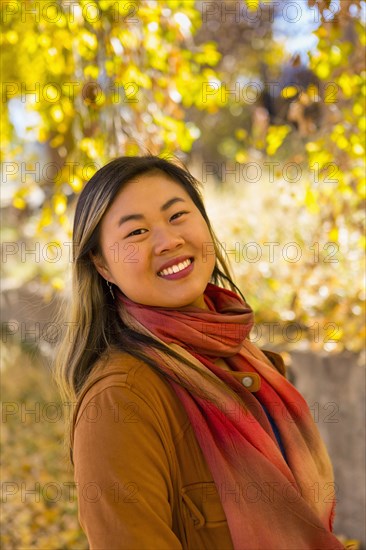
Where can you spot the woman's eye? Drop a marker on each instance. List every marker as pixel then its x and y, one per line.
pixel 178 214
pixel 139 231
pixel 135 232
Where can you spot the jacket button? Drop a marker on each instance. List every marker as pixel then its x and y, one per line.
pixel 247 381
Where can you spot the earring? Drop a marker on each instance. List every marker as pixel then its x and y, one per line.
pixel 110 288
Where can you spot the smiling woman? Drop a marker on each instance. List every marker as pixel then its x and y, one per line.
pixel 184 434
pixel 163 243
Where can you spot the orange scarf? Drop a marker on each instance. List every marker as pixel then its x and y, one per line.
pixel 272 500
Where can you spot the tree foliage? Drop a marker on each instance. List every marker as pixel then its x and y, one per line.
pixel 295 157
pixel 104 78
pixel 86 81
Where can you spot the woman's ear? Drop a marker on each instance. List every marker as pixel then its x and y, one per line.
pixel 100 265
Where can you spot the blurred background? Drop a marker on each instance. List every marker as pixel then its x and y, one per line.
pixel 265 103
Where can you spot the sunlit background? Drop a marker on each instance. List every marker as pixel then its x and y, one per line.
pixel 265 102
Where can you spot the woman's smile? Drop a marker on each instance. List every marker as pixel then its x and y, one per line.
pixel 177 270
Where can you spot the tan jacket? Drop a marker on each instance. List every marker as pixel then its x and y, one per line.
pixel 142 480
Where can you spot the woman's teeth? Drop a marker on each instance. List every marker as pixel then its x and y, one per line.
pixel 175 268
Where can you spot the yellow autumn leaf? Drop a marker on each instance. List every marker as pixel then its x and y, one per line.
pixel 56 113
pixel 91 71
pixel 57 141
pixel 75 183
pixel 341 142
pixel 275 138
pixel 312 147
pixel 46 217
pixel 19 203
pixel 346 84
pixel 12 37
pixel 59 204
pixel 252 4
pixel 322 70
pixel 58 283
pixel 289 91
pixel 89 39
pixel 358 149
pixel 311 200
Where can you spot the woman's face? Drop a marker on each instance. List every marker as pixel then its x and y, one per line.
pixel 156 245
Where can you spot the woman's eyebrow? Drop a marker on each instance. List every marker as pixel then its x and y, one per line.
pixel 164 207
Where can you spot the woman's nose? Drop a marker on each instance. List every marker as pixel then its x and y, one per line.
pixel 166 239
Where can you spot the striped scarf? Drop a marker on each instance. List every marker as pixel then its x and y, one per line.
pixel 273 498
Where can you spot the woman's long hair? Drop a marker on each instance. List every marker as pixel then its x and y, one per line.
pixel 95 325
